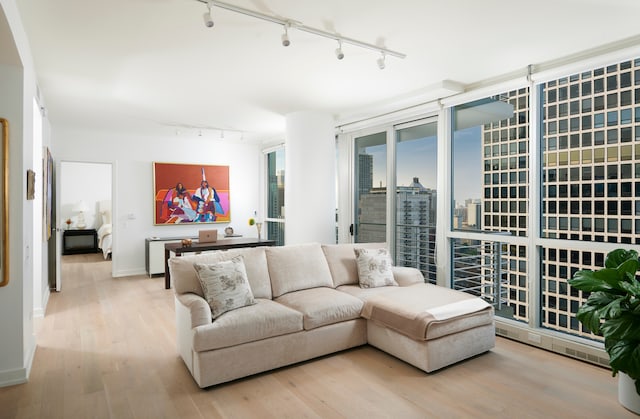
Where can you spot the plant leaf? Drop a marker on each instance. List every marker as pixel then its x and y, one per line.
pixel 624 327
pixel 589 315
pixel 589 281
pixel 627 269
pixel 632 288
pixel 612 310
pixel 616 257
pixel 624 355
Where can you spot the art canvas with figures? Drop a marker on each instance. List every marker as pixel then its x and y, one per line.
pixel 190 193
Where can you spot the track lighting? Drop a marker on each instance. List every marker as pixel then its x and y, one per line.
pixel 208 20
pixel 285 37
pixel 381 63
pixel 339 53
pixel 287 23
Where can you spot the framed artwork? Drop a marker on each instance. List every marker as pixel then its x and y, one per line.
pixel 190 193
pixel 47 185
pixel 4 207
pixel 31 185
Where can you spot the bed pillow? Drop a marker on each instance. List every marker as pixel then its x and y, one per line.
pixel 106 217
pixel 225 285
pixel 374 268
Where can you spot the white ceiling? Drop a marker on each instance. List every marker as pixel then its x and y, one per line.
pixel 152 66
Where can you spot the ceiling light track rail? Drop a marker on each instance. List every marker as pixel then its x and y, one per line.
pixel 290 23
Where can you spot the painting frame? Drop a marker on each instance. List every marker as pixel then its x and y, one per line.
pixel 31 185
pixel 190 193
pixel 4 208
pixel 47 193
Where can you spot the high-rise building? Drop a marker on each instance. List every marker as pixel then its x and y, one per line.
pixel 590 188
pixel 365 173
pixel 415 224
pixel 474 214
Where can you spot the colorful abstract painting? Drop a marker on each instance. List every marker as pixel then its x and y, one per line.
pixel 190 193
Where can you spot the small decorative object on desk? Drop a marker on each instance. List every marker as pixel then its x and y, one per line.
pixel 252 221
pixel 186 242
pixel 68 222
pixel 228 231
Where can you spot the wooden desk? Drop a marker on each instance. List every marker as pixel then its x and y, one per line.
pixel 221 244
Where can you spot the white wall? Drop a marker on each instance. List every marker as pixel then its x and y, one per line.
pixel 88 182
pixel 18 87
pixel 132 156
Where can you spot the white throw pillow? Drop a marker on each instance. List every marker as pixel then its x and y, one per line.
pixel 225 285
pixel 374 268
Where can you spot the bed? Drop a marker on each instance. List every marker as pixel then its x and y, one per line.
pixel 104 232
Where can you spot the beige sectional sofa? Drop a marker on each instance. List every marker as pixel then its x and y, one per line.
pixel 307 303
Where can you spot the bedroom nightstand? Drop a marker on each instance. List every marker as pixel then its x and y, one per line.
pixel 80 241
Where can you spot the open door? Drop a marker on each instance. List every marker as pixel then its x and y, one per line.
pixel 84 198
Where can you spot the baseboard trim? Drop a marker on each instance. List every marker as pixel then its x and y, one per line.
pixel 578 348
pixel 13 377
pixel 39 311
pixel 129 272
pixel 19 375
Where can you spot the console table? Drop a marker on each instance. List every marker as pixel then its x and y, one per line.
pixel 221 244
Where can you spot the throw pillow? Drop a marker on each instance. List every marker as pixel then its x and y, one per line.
pixel 225 285
pixel 374 268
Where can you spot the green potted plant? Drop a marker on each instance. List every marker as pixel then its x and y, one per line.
pixel 612 311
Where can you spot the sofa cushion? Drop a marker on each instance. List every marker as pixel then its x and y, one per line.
pixel 426 311
pixel 364 293
pixel 374 267
pixel 225 285
pixel 185 279
pixel 322 306
pixel 342 261
pixel 297 267
pixel 263 320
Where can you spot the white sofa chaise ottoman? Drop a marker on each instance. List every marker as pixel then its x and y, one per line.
pixel 428 326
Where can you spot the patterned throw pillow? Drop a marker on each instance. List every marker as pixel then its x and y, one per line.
pixel 374 268
pixel 225 285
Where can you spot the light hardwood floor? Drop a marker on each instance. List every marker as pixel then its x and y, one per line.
pixel 106 349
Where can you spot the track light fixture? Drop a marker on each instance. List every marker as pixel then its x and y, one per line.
pixel 339 53
pixel 285 36
pixel 381 63
pixel 208 19
pixel 288 23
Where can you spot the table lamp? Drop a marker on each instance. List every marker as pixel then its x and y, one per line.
pixel 80 208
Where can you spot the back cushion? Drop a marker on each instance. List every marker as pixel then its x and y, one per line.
pixel 185 279
pixel 342 261
pixel 297 267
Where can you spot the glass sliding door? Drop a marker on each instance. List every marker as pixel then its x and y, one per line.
pixel 415 220
pixel 275 196
pixel 370 188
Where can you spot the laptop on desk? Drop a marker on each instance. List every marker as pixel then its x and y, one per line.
pixel 207 236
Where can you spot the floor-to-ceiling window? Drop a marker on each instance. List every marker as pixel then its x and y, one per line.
pixel 544 181
pixel 370 220
pixel 275 195
pixel 416 196
pixel 490 162
pixel 591 180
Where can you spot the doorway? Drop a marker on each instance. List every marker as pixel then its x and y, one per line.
pixel 84 213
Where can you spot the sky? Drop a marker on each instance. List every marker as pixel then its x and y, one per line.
pixel 418 158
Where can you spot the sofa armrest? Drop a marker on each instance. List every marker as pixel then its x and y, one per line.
pixel 198 308
pixel 406 276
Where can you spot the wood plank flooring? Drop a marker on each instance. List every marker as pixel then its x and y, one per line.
pixel 106 349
